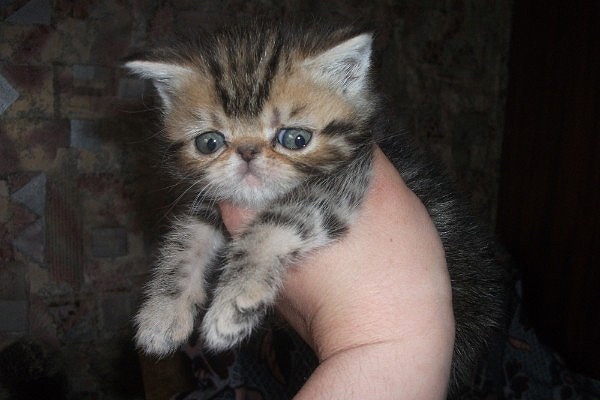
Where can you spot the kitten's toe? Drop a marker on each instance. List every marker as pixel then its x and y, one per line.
pixel 154 342
pixel 162 325
pixel 226 324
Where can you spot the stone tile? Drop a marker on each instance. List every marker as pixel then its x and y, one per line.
pixel 55 293
pixel 6 249
pixel 9 156
pixel 13 281
pixel 32 241
pixel 6 3
pixel 73 9
pixel 64 230
pixel 109 242
pixel 8 95
pixel 84 135
pixel 35 12
pixel 18 180
pixel 117 311
pixel 108 274
pixel 91 77
pixel 85 80
pixel 85 106
pixel 29 44
pixel 32 144
pixel 104 201
pixel 83 327
pixel 38 278
pixel 4 196
pixel 14 316
pixel 73 41
pixel 84 72
pixel 161 23
pixel 112 39
pixel 20 219
pixel 33 194
pixel 207 19
pixel 41 323
pixel 75 317
pixel 131 88
pixel 36 88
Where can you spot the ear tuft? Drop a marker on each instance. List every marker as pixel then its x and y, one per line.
pixel 165 76
pixel 346 65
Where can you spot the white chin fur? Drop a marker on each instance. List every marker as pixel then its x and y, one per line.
pixel 253 195
pixel 255 190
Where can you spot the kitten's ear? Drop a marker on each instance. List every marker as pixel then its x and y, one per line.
pixel 166 77
pixel 346 65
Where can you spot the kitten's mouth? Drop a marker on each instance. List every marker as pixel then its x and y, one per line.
pixel 251 179
pixel 249 175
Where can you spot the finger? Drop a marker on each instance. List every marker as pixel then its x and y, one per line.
pixel 234 217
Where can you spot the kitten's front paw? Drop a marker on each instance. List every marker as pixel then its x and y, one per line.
pixel 162 325
pixel 229 320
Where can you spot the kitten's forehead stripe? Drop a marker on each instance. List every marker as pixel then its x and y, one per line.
pixel 172 151
pixel 360 140
pixel 243 71
pixel 214 120
pixel 335 226
pixel 276 120
pixel 335 128
pixel 297 110
pixel 174 147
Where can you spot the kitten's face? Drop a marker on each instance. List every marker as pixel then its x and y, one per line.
pixel 250 136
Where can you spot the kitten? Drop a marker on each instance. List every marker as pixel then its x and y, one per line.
pixel 284 121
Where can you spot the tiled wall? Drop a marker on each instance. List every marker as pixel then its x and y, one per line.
pixel 80 200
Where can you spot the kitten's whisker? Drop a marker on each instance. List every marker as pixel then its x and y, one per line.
pixel 167 153
pixel 200 198
pixel 150 137
pixel 174 203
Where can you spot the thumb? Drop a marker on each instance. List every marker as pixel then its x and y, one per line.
pixel 234 217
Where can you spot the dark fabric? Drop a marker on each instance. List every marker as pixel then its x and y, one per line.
pixel 276 362
pixel 520 367
pixel 273 365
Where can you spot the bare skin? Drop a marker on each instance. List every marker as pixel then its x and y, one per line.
pixel 375 307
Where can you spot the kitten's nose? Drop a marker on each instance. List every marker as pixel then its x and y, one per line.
pixel 248 151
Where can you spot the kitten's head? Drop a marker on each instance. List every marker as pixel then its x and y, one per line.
pixel 250 113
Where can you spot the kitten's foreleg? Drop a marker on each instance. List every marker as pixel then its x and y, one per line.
pixel 177 288
pixel 256 262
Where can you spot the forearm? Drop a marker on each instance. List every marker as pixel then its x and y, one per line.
pixel 379 371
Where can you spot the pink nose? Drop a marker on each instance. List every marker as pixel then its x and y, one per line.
pixel 248 151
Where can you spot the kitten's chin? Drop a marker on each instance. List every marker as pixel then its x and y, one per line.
pixel 256 192
pixel 253 196
pixel 251 181
pixel 252 187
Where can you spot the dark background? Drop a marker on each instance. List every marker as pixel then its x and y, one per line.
pixel 81 200
pixel 549 203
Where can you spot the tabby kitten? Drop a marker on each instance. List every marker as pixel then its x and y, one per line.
pixel 284 121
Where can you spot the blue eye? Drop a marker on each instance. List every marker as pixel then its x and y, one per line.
pixel 209 142
pixel 293 138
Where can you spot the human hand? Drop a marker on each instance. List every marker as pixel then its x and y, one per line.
pixel 376 307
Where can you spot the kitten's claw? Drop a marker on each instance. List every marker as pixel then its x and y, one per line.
pixel 162 325
pixel 229 321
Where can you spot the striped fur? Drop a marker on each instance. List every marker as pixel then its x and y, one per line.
pixel 247 84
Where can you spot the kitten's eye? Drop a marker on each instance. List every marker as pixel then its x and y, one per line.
pixel 209 142
pixel 293 138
